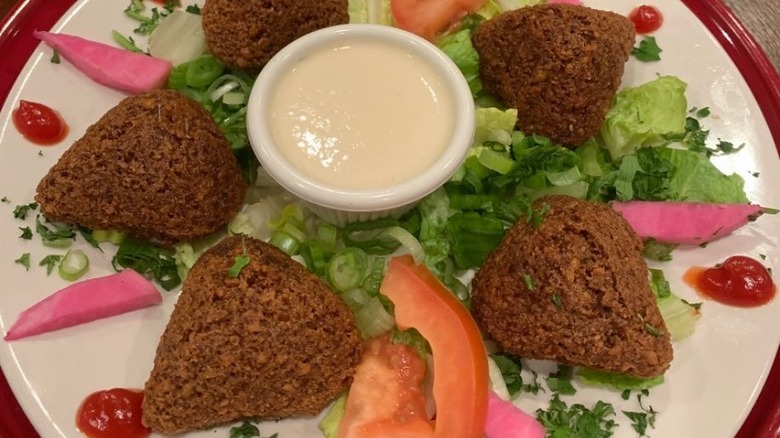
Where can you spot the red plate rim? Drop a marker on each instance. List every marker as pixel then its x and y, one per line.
pixel 17 44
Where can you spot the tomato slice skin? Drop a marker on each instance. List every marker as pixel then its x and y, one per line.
pixel 428 17
pixel 460 370
pixel 385 399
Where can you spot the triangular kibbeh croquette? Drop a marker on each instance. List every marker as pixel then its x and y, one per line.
pixel 155 166
pixel 570 285
pixel 274 342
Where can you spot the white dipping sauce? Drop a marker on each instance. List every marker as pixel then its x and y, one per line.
pixel 361 114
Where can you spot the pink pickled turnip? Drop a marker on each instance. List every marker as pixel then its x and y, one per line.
pixel 86 301
pixel 685 222
pixel 505 420
pixel 111 66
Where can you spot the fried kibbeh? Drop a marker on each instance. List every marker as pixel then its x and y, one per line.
pixel 273 342
pixel 155 166
pixel 575 290
pixel 559 65
pixel 246 34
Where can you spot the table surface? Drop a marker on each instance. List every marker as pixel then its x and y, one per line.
pixel 760 17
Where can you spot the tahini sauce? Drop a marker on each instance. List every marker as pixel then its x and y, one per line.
pixel 362 114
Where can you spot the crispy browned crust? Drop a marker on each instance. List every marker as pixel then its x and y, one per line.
pixel 247 33
pixel 590 299
pixel 275 342
pixel 156 166
pixel 559 65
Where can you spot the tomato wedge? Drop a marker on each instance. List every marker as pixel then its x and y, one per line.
pixel 460 370
pixel 385 400
pixel 426 18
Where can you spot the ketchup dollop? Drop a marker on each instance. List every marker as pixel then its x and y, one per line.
pixel 646 19
pixel 739 281
pixel 39 123
pixel 112 413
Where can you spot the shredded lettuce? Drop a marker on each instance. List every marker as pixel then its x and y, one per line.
pixel 696 179
pixel 459 48
pixel 370 11
pixel 618 381
pixel 330 422
pixel 679 316
pixel 642 115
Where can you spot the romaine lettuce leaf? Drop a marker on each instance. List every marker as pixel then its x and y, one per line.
pixel 642 115
pixel 459 48
pixel 696 179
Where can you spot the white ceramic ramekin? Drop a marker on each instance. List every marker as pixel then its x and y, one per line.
pixel 337 204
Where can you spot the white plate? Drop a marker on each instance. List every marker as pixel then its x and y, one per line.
pixel 711 386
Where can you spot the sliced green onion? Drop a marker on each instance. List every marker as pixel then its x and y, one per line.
pixel 373 319
pixel 356 299
pixel 234 98
pixel 317 254
pixel 327 233
pixel 347 269
pixel 223 90
pixel 368 236
pixel 376 274
pixel 289 212
pixel 203 70
pixel 285 242
pixel 407 241
pixel 498 161
pixel 73 265
pixel 125 42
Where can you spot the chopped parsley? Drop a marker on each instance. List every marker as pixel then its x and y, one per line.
pixel 529 282
pixel 577 421
pixel 643 419
pixel 60 236
pixel 149 260
pixel 625 394
pixel 511 371
pixel 24 260
pixel 658 251
pixel 245 430
pixel 5 200
pixel 556 299
pixel 55 58
pixel 560 381
pixel 240 262
pixel 21 211
pixel 147 23
pixel 193 9
pixel 647 50
pixel 86 233
pixel 536 216
pixel 754 174
pixel 26 233
pixel 50 262
pixel 702 112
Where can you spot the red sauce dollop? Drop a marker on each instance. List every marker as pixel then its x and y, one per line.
pixel 39 123
pixel 646 19
pixel 739 281
pixel 112 413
